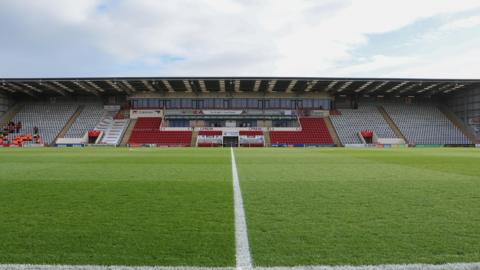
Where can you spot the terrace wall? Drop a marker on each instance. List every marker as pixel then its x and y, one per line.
pixel 4 104
pixel 466 105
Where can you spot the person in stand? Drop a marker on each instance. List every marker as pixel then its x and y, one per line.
pixel 5 139
pixel 18 126
pixel 35 132
pixel 11 127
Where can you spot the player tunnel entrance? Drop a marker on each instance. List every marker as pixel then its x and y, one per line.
pixel 230 139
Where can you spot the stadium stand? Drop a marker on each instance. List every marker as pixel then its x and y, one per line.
pixel 348 122
pixel 147 131
pixel 424 124
pixel 313 132
pixel 209 138
pixel 251 133
pixel 244 111
pixel 49 118
pixel 251 138
pixel 113 129
pixel 90 116
pixel 209 133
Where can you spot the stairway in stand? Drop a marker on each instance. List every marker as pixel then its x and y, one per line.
pixel 10 114
pixel 467 131
pixel 392 124
pixel 128 132
pixel 266 136
pixel 70 122
pixel 113 129
pixel 193 142
pixel 333 132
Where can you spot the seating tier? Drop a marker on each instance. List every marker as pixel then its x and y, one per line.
pixel 314 132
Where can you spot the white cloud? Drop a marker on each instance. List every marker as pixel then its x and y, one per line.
pixel 213 37
pixel 459 65
pixel 376 64
pixel 463 23
pixel 59 11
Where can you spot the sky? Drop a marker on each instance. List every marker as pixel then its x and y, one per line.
pixel 307 38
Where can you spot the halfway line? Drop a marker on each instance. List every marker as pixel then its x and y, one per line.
pixel 244 259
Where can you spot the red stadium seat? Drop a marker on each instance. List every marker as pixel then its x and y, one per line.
pixel 251 133
pixel 210 133
pixel 147 131
pixel 314 132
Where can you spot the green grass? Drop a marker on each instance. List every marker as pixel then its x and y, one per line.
pixel 352 206
pixel 115 206
pixel 174 207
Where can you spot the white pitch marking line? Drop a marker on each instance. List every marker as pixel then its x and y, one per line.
pixel 242 249
pixel 448 266
pixel 102 267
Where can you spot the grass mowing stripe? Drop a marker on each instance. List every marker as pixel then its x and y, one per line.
pixel 170 207
pixel 340 207
pixel 102 267
pixel 244 259
pixel 448 266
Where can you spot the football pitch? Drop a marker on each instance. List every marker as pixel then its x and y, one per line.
pixel 176 207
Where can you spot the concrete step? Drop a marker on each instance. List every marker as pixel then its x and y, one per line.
pixel 333 132
pixel 10 114
pixel 128 132
pixel 266 137
pixel 70 122
pixel 193 143
pixel 391 123
pixel 466 130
